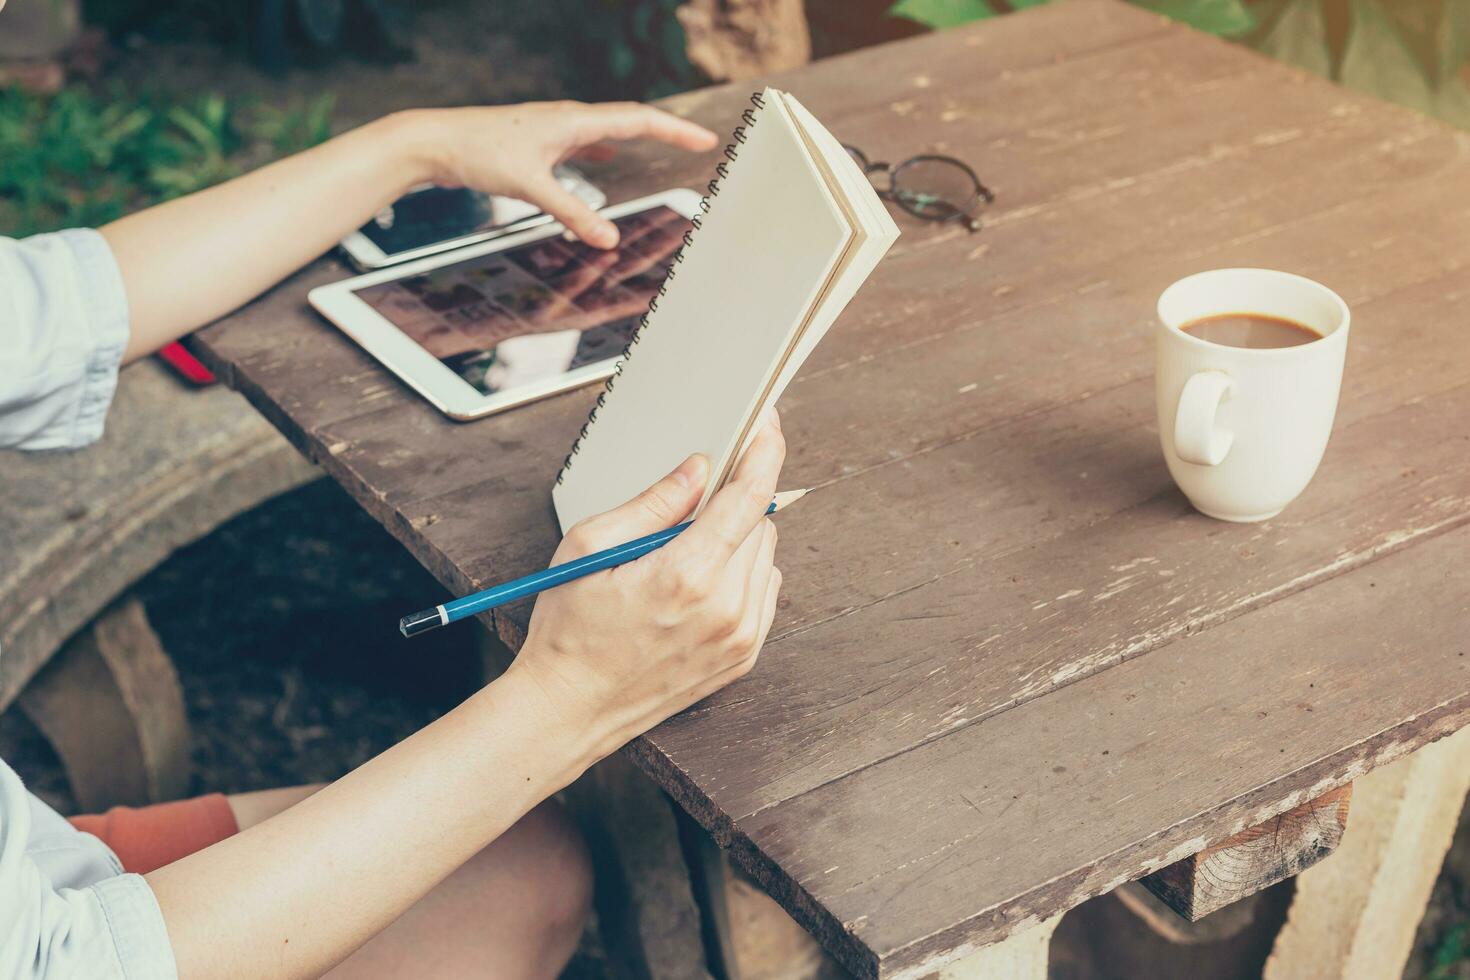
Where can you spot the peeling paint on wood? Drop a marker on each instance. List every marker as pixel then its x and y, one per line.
pixel 1034 673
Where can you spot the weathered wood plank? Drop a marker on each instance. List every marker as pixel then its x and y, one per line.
pixel 1354 917
pixel 383 459
pixel 1115 776
pixel 1008 610
pixel 1024 151
pixel 1254 859
pixel 383 456
pixel 997 387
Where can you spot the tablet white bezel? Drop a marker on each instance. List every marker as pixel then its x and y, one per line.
pixel 425 373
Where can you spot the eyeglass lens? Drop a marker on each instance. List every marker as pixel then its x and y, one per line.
pixel 931 187
pixel 935 188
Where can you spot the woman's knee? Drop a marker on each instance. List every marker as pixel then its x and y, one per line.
pixel 552 868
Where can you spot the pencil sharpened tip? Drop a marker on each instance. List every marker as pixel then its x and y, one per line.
pixel 788 497
pixel 419 622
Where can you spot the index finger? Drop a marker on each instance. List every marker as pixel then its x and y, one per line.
pixel 739 505
pixel 633 120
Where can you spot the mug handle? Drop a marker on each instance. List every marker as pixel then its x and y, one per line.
pixel 1197 439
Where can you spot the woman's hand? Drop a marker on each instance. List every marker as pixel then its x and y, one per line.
pixel 268 223
pixel 511 149
pixel 618 652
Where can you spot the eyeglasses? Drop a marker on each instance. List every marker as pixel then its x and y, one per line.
pixel 935 188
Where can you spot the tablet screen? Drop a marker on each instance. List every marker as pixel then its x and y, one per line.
pixel 533 312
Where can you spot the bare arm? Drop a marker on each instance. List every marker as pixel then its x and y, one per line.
pixel 296 894
pixel 605 659
pixel 192 260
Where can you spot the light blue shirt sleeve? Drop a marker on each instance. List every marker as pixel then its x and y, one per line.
pixel 63 329
pixel 67 912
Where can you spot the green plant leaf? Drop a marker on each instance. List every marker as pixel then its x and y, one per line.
pixel 1452 98
pixel 72 159
pixel 1378 61
pixel 940 14
pixel 1299 37
pixel 1453 949
pixel 1229 18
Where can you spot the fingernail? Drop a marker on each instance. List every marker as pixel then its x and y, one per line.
pixel 605 235
pixel 691 472
pixel 771 417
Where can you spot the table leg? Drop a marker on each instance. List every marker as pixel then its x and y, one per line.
pixel 110 704
pixel 709 873
pixel 1355 916
pixel 646 912
pixel 1022 955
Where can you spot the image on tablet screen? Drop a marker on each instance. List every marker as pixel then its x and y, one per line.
pixel 532 312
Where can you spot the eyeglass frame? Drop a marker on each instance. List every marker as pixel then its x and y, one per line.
pixel 968 214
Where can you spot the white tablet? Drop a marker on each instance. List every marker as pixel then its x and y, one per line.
pixel 487 327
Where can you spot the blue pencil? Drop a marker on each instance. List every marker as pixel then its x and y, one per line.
pixel 457 609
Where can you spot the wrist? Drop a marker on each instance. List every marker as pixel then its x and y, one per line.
pixel 415 148
pixel 575 734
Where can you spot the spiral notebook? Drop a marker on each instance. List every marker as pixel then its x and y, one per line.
pixel 789 231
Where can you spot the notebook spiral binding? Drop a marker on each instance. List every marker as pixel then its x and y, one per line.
pixel 722 170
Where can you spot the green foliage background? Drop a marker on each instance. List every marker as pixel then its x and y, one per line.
pixel 84 157
pixel 75 159
pixel 1415 52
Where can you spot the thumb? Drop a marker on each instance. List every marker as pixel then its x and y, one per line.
pixel 662 505
pixel 548 195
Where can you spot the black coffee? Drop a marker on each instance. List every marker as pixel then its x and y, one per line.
pixel 1250 330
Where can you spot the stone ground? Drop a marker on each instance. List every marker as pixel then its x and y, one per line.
pixel 282 623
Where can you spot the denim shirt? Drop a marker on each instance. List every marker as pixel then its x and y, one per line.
pixel 67 910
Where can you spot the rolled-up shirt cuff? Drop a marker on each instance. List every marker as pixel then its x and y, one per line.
pixel 138 931
pixel 106 305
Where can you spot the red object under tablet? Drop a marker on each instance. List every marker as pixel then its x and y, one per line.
pixel 186 364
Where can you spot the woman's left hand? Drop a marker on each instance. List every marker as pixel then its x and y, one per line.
pixel 512 149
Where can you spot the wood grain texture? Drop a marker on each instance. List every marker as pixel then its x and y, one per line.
pixel 1354 917
pixel 984 415
pixel 1114 776
pixel 1254 859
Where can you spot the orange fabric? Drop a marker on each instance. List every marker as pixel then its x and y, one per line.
pixel 146 838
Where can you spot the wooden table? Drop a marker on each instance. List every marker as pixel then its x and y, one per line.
pixel 1012 668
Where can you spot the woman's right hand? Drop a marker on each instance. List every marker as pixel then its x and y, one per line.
pixel 618 652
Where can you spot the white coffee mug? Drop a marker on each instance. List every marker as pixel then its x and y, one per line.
pixel 1243 429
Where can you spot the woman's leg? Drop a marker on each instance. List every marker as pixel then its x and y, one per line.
pixel 513 911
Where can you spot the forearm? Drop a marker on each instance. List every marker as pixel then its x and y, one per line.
pixel 192 260
pixel 299 892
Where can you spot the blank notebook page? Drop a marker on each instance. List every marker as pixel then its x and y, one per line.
pixel 729 317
